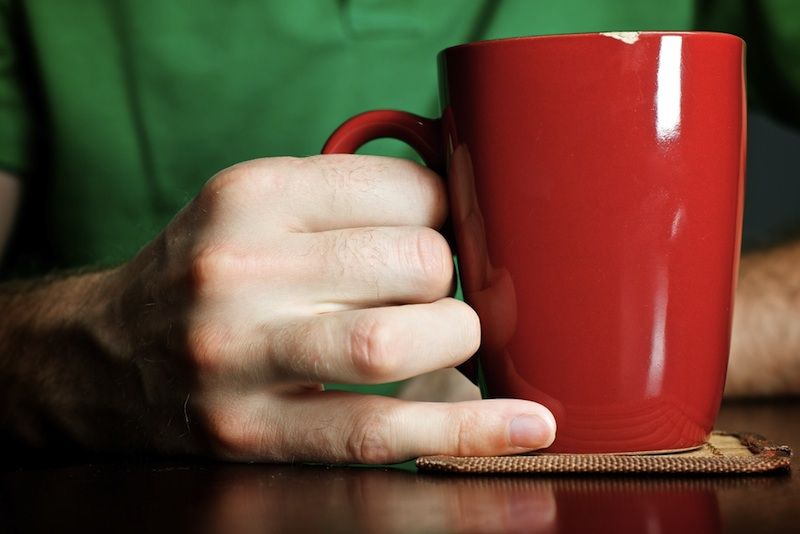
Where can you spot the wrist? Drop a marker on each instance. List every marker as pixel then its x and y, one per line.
pixel 65 382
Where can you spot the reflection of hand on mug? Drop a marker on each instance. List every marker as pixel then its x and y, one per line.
pixel 488 289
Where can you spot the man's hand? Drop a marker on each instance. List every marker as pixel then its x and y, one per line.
pixel 281 275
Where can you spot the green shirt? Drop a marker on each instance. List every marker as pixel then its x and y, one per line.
pixel 135 104
pixel 115 113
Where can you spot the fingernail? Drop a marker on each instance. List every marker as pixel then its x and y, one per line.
pixel 531 431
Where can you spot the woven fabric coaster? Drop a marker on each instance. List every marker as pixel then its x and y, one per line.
pixel 723 453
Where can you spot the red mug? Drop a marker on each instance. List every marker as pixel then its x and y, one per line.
pixel 595 184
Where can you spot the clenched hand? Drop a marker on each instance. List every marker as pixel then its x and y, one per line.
pixel 284 274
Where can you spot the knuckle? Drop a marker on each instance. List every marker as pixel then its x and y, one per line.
pixel 208 267
pixel 465 423
pixel 247 180
pixel 369 441
pixel 219 188
pixel 428 254
pixel 206 347
pixel 215 268
pixel 371 353
pixel 233 435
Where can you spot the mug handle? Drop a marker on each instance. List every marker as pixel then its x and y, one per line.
pixel 422 134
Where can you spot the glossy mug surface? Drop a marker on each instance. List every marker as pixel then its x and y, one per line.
pixel 595 184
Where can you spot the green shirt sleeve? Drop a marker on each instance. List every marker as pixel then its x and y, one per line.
pixel 15 123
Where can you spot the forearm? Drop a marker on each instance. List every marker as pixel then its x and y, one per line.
pixel 765 350
pixel 59 380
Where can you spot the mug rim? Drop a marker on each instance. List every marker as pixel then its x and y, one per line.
pixel 618 35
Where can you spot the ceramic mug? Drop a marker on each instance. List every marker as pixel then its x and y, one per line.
pixel 595 185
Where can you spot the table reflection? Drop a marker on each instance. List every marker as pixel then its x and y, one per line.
pixel 267 499
pixel 47 494
pixel 218 498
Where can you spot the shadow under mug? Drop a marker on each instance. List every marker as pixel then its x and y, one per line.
pixel 595 186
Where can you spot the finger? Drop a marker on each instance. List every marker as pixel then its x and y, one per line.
pixel 345 427
pixel 347 191
pixel 371 346
pixel 365 267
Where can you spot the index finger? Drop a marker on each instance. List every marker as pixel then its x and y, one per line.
pixel 338 191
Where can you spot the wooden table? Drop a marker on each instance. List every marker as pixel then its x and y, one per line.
pixel 141 495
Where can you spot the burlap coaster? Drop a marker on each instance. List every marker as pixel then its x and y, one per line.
pixel 723 453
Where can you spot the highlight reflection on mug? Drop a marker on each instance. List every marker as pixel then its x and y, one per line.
pixel 488 289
